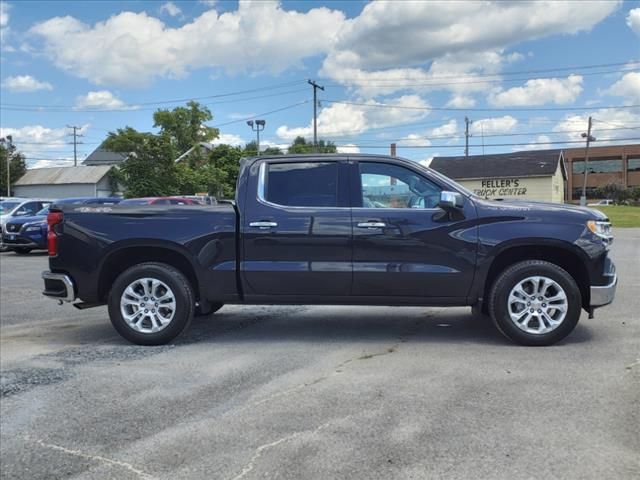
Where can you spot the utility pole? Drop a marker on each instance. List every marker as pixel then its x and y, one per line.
pixel 467 122
pixel 589 138
pixel 315 114
pixel 75 143
pixel 9 140
pixel 258 124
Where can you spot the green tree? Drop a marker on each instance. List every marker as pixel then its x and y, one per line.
pixel 17 166
pixel 300 145
pixel 224 161
pixel 149 169
pixel 185 125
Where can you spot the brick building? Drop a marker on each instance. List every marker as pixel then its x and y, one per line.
pixel 619 164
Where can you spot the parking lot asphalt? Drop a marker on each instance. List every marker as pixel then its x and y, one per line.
pixel 316 392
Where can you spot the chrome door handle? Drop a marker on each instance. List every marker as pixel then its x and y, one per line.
pixel 372 225
pixel 263 225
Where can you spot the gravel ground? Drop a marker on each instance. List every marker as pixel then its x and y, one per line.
pixel 316 392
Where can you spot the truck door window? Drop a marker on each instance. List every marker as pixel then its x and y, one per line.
pixel 303 184
pixel 392 186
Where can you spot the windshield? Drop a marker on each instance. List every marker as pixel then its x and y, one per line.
pixel 7 206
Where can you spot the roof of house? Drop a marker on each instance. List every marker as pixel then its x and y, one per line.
pixel 531 163
pixel 63 175
pixel 100 156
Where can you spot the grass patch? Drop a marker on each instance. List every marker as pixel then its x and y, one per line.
pixel 622 216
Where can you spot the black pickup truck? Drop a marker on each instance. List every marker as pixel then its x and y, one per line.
pixel 334 229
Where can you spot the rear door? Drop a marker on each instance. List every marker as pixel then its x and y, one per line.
pixel 297 232
pixel 404 245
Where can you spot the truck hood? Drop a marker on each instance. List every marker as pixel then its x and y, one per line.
pixel 543 210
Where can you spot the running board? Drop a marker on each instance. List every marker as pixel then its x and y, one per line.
pixel 85 305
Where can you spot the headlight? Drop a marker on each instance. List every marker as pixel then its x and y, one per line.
pixel 600 228
pixel 33 229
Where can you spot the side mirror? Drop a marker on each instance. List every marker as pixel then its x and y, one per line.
pixel 450 200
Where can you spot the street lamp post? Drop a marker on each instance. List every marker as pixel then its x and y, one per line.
pixel 9 140
pixel 259 126
pixel 590 138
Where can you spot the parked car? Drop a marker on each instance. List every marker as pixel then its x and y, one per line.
pixel 203 199
pixel 14 208
pixel 601 203
pixel 300 233
pixel 26 233
pixel 160 201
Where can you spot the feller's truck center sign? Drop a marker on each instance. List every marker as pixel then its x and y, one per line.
pixel 498 187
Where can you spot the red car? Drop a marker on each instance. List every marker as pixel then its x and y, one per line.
pixel 160 201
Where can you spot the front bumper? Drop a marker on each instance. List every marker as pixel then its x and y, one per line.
pixel 58 286
pixel 10 241
pixel 602 295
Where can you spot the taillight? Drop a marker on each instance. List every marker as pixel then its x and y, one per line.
pixel 53 219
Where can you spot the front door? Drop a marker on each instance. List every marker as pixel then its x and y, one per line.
pixel 404 245
pixel 297 232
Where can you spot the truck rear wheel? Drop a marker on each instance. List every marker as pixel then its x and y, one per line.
pixel 151 303
pixel 535 303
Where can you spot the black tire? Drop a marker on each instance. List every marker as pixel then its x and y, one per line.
pixel 22 250
pixel 509 278
pixel 208 309
pixel 184 300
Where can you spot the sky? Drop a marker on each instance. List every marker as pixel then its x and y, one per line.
pixel 527 75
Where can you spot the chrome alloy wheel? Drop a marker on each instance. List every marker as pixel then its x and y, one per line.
pixel 537 305
pixel 148 305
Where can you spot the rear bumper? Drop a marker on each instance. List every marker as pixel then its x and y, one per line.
pixel 58 287
pixel 602 295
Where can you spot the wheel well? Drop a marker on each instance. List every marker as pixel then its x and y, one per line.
pixel 121 260
pixel 565 259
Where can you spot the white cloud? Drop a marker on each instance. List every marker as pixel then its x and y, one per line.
pixel 387 34
pixel 61 162
pixel 461 101
pixel 170 8
pixel 539 92
pixel 449 128
pixel 41 143
pixel 209 3
pixel 458 73
pixel 101 100
pixel 493 125
pixel 605 123
pixel 540 143
pixel 413 140
pixel 133 48
pixel 4 14
pixel 633 20
pixel 627 87
pixel 228 139
pixel 340 119
pixel 25 83
pixel 348 148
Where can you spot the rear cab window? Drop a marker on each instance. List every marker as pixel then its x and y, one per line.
pixel 302 184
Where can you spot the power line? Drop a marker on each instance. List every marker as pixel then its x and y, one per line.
pixel 365 82
pixel 521 72
pixel 492 144
pixel 457 109
pixel 253 117
pixel 180 100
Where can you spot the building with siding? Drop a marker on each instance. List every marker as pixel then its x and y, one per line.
pixel 63 182
pixel 528 175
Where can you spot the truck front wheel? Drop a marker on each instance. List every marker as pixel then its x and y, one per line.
pixel 151 303
pixel 535 303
